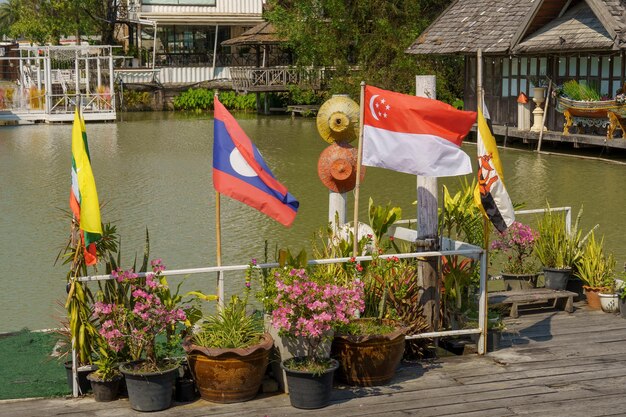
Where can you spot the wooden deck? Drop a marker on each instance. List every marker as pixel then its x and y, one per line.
pixel 557 364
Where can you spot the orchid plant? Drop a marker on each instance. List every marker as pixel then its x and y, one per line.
pixel 135 326
pixel 517 243
pixel 310 310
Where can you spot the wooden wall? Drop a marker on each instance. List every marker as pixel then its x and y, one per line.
pixel 505 77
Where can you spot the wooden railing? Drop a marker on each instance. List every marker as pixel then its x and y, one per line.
pixel 248 79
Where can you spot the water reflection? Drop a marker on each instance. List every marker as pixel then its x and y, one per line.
pixel 154 171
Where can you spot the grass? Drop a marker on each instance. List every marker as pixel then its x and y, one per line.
pixel 27 368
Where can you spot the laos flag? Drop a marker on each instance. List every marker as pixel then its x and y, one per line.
pixel 240 172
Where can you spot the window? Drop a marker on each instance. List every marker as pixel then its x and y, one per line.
pixel 181 2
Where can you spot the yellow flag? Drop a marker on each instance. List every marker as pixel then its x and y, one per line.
pixel 84 184
pixel 490 193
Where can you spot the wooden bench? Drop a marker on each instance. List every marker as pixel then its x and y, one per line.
pixel 532 296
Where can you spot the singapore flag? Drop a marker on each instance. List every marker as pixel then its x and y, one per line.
pixel 414 135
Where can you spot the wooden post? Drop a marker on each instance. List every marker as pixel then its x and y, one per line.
pixel 357 186
pixel 427 204
pixel 482 341
pixel 217 31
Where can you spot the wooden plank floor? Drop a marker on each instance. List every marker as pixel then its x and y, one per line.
pixel 556 364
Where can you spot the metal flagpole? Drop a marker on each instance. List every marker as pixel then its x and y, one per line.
pixel 218 243
pixel 355 241
pixel 484 320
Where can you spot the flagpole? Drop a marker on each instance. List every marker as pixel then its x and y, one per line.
pixel 355 242
pixel 480 105
pixel 218 244
pixel 218 240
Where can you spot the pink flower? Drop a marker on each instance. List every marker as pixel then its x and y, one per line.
pixel 308 309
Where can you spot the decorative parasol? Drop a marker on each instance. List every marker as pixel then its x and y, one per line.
pixel 337 167
pixel 338 119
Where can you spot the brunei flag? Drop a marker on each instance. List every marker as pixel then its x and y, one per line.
pixel 83 195
pixel 490 194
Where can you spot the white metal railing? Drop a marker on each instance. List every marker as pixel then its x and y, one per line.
pixel 246 78
pixel 464 250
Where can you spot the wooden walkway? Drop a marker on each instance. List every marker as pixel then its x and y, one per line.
pixel 556 364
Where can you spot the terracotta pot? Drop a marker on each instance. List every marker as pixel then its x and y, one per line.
pixel 593 297
pixel 228 375
pixel 368 360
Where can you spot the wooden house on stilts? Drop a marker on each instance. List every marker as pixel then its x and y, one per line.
pixel 525 42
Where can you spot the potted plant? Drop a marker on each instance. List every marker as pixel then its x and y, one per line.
pixel 609 297
pixel 285 346
pixel 151 313
pixel 517 243
pixel 495 327
pixel 621 291
pixel 557 250
pixel 307 309
pixel 105 381
pixel 595 269
pixel 370 348
pixel 229 353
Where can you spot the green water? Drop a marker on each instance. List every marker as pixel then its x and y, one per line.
pixel 154 170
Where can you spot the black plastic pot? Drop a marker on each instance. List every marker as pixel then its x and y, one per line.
pixel 308 390
pixel 516 282
pixel 149 391
pixel 185 390
pixel 622 307
pixel 84 386
pixel 104 391
pixel 575 284
pixel 556 279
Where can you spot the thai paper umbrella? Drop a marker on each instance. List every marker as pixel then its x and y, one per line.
pixel 337 167
pixel 338 119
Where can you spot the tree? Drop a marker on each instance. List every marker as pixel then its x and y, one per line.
pixel 45 21
pixel 8 15
pixel 364 40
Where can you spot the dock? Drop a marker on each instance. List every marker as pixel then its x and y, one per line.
pixel 553 364
pixel 303 110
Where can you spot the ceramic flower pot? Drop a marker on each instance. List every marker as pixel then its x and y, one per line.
pixel 609 302
pixel 368 360
pixel 228 375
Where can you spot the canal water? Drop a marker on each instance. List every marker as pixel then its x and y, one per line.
pixel 153 170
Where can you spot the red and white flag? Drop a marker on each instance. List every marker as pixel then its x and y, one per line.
pixel 414 135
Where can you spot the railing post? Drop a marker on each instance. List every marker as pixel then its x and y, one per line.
pixel 482 304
